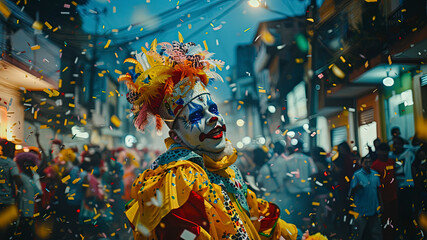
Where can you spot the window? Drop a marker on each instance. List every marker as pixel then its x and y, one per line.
pixel 400 113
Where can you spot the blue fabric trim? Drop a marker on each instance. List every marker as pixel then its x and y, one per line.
pixel 300 233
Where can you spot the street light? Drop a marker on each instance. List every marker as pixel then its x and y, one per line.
pixel 254 3
pixel 257 3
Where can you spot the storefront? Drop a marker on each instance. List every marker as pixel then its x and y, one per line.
pixel 399 106
pixel 369 121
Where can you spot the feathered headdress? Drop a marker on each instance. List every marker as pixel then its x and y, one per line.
pixel 163 82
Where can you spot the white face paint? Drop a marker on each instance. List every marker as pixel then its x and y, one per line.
pixel 200 126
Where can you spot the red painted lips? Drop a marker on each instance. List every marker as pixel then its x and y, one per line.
pixel 215 133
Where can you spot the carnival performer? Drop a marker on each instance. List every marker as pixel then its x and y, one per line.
pixel 192 191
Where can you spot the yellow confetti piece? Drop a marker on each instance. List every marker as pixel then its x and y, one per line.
pixel 389 60
pixel 74 3
pixel 346 178
pixel 117 71
pixel 116 190
pixel 4 10
pixel 108 43
pixel 206 46
pixel 36 214
pixel 76 180
pixel 389 167
pixel 355 214
pixel 342 59
pixel 85 185
pixel 246 29
pixel 262 91
pixel 71 105
pixel 287 211
pixel 65 122
pixel 65 69
pixel 48 25
pixel 66 178
pixel 35 47
pixel 116 121
pixel 114 9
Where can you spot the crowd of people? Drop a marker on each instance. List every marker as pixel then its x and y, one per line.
pixel 67 194
pixel 344 196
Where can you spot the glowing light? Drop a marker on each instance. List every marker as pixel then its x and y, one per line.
pixel 291 134
pixel 239 145
pixel 130 140
pixel 240 122
pixel 78 132
pixel 246 140
pixel 388 81
pixel 294 142
pixel 271 109
pixel 254 3
pixel 261 140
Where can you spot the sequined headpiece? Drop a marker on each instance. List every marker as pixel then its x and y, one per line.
pixel 163 83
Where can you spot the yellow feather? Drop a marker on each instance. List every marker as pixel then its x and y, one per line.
pixel 154 45
pixel 180 37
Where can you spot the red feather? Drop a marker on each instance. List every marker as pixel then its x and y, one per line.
pixel 142 119
pixel 159 122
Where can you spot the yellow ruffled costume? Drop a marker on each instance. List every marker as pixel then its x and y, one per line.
pixel 157 192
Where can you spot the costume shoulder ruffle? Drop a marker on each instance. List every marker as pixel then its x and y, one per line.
pixel 157 192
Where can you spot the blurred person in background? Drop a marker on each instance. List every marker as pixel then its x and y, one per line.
pixel 404 159
pixel 373 153
pixel 271 178
pixel 322 186
pixel 130 162
pixel 298 168
pixel 55 148
pixel 364 187
pixel 28 192
pixel 91 160
pixel 343 169
pixel 113 181
pixel 9 180
pixel 420 179
pixel 384 165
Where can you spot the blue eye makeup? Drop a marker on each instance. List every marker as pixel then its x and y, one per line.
pixel 196 116
pixel 213 109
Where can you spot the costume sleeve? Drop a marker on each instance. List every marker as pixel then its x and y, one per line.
pixel 190 220
pixel 168 200
pixel 265 217
pixel 354 182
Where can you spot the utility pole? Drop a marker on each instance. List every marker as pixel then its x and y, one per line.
pixel 313 93
pixel 94 59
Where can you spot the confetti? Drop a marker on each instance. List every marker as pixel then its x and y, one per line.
pixel 66 178
pixel 35 47
pixel 107 44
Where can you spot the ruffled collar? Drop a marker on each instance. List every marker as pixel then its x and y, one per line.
pixel 227 157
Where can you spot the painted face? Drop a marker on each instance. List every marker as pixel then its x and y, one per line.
pixel 200 126
pixel 55 149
